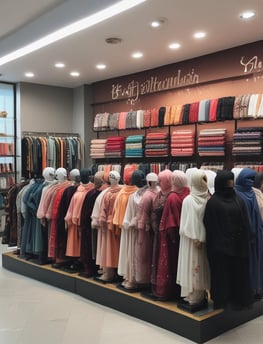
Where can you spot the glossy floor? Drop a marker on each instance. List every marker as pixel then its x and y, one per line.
pixel 33 312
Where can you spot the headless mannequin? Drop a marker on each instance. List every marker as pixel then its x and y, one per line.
pixel 105 223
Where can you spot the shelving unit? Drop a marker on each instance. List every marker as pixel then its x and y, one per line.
pixel 8 157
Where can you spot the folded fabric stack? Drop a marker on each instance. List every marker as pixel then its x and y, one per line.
pixel 134 146
pixel 248 141
pixel 101 121
pixel 157 144
pixel 97 148
pixel 115 147
pixel 182 143
pixel 211 142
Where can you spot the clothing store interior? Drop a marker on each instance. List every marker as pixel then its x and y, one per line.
pixel 131 171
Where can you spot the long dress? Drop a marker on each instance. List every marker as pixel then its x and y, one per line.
pixel 144 238
pixel 72 219
pixel 243 186
pixel 108 252
pixel 227 241
pixel 166 286
pixel 193 273
pixel 126 266
pixel 120 207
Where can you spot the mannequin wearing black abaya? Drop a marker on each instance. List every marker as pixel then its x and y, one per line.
pixel 227 237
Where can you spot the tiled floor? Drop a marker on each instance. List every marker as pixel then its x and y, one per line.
pixel 32 312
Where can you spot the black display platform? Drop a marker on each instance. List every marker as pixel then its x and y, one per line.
pixel 198 327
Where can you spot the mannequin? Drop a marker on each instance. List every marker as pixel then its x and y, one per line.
pixel 52 211
pixel 86 255
pixel 129 233
pixel 34 234
pixel 166 287
pixel 193 273
pixel 227 241
pixel 144 238
pixel 130 179
pixel 72 218
pixel 61 261
pixel 96 229
pixel 74 175
pixel 108 246
pixel 165 183
pixel 243 186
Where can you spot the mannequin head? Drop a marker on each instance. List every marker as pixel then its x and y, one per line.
pixel 98 179
pixel 48 174
pixel 85 175
pixel 199 183
pixel 224 183
pixel 74 175
pixel 165 180
pixel 114 178
pixel 246 178
pixel 61 174
pixel 152 180
pixel 138 179
pixel 179 181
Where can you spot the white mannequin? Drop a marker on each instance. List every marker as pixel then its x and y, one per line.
pixel 114 178
pixel 74 175
pixel 61 174
pixel 152 180
pixel 49 174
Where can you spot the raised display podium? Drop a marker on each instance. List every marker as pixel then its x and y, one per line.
pixel 198 327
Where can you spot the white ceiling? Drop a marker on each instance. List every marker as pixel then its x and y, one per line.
pixel 23 21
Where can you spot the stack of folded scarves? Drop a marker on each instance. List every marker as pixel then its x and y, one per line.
pixel 248 141
pixel 134 146
pixel 182 143
pixel 115 147
pixel 157 144
pixel 97 148
pixel 211 142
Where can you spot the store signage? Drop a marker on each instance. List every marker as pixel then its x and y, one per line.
pixel 251 65
pixel 134 89
pixel 239 62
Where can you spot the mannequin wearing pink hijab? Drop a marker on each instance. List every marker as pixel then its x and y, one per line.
pixel 169 239
pixel 165 183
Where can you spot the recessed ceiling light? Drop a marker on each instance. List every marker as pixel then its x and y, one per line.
pixel 137 55
pixel 75 74
pixel 113 40
pixel 101 66
pixel 247 15
pixel 158 22
pixel 79 25
pixel 199 34
pixel 174 45
pixel 60 65
pixel 29 74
